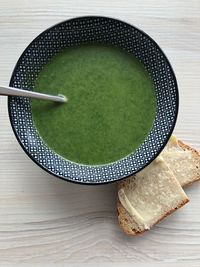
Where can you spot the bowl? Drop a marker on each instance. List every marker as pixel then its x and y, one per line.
pixel 93 29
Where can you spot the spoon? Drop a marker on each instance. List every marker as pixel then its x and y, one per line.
pixel 5 90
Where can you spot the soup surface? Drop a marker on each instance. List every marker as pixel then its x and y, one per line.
pixel 111 104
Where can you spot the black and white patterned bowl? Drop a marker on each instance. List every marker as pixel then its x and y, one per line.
pixel 89 30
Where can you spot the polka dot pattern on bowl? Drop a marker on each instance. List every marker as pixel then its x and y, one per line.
pixel 93 30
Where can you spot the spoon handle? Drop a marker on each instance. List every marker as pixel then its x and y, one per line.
pixel 5 90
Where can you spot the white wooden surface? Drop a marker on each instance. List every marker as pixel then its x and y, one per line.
pixel 45 221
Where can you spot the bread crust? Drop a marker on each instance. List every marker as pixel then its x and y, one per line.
pixel 122 214
pixel 196 155
pixel 124 223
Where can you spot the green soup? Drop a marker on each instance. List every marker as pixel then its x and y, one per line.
pixel 111 104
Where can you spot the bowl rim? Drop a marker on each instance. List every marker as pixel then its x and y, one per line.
pixel 169 132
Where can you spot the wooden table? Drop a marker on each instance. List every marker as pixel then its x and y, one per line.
pixel 45 221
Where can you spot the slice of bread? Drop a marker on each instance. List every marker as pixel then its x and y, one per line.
pixel 148 197
pixel 183 160
pixel 137 190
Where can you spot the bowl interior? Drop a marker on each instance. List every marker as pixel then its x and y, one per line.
pixel 93 30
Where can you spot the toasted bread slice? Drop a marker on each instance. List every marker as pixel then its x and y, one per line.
pixel 178 156
pixel 148 197
pixel 183 160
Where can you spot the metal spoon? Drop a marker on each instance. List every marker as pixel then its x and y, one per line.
pixel 5 90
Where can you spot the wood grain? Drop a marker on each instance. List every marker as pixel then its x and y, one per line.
pixel 45 221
